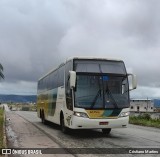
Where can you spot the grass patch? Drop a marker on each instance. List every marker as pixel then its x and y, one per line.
pixel 144 120
pixel 1 127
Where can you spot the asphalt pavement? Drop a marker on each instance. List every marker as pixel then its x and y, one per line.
pixel 28 131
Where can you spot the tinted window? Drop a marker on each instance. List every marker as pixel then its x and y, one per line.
pixel 61 76
pixel 98 66
pixel 55 79
pixel 87 67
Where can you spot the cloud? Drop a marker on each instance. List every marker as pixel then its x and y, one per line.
pixel 19 87
pixel 38 35
pixel 30 33
pixel 145 92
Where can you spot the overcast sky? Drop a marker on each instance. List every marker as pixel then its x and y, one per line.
pixel 37 35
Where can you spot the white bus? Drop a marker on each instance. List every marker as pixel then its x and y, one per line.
pixel 86 93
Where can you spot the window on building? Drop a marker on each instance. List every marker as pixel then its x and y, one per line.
pixel 131 107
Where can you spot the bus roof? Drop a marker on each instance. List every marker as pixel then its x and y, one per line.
pixel 80 58
pixel 91 57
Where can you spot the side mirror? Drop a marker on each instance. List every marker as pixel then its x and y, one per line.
pixel 134 81
pixel 72 79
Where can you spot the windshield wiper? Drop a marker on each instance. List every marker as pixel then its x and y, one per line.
pixel 110 94
pixel 96 97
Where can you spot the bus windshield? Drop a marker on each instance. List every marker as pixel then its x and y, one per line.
pixel 101 91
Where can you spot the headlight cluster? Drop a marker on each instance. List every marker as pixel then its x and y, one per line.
pixel 124 114
pixel 81 114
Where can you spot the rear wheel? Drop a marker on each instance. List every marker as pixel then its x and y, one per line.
pixel 106 131
pixel 63 127
pixel 43 118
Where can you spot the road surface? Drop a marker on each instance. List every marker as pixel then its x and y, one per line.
pixel 26 126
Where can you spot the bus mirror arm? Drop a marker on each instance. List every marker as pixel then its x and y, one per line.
pixel 134 81
pixel 72 79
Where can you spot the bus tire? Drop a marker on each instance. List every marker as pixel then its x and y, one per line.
pixel 43 117
pixel 40 113
pixel 106 131
pixel 63 127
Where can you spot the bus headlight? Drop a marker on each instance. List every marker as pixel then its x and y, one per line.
pixel 81 114
pixel 124 114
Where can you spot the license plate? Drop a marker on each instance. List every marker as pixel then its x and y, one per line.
pixel 103 123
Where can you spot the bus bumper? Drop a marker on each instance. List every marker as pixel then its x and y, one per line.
pixel 86 123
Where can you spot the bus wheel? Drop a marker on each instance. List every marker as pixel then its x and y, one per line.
pixel 106 131
pixel 43 118
pixel 63 127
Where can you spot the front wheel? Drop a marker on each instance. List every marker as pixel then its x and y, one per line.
pixel 106 131
pixel 63 127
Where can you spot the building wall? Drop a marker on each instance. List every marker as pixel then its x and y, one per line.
pixel 144 105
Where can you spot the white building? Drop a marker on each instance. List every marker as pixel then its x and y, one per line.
pixel 142 105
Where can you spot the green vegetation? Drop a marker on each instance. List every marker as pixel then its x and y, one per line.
pixel 144 120
pixel 1 127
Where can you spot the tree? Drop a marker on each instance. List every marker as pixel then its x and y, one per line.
pixel 1 71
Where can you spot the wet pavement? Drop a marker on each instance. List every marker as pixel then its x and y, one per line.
pixel 22 134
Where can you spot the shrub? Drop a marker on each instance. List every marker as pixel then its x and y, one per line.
pixel 144 120
pixel 145 116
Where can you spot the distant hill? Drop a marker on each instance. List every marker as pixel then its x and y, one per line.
pixel 17 98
